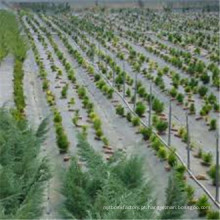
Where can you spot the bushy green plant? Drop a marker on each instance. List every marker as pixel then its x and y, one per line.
pixel 202 91
pixel 99 133
pixel 156 143
pixel 190 192
pixel 110 93
pixel 61 138
pixel 105 141
pixel 97 123
pixel 72 101
pixel 162 153
pixel 140 109
pixel 64 91
pixel 45 85
pixel 81 92
pixel 173 92
pixel 213 215
pixel 180 98
pixel 213 124
pixel 129 116
pixel 161 126
pixel 157 106
pixel 212 173
pixel 205 78
pixel 192 108
pixel 110 182
pixel 23 171
pixel 135 121
pixel 207 158
pixel 120 110
pixel 75 120
pixel 203 205
pixel 172 160
pixel 128 92
pixel 57 117
pixel 146 133
pixel 175 196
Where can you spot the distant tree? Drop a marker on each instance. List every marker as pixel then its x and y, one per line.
pixel 140 3
pixel 169 7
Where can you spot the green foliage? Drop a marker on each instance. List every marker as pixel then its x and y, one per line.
pixel 212 173
pixel 202 91
pixel 57 117
pixel 10 39
pixel 207 157
pixel 105 141
pixel 64 91
pixel 120 110
pixel 22 172
pixel 135 121
pixel 213 215
pixel 172 158
pixel 81 92
pixel 158 106
pixel 162 153
pixel 173 92
pixel 19 98
pixel 129 116
pixel 175 196
pixel 97 123
pixel 103 184
pixel 61 138
pixel 146 133
pixel 192 108
pixel 180 98
pixel 12 42
pixel 203 205
pixel 161 126
pixel 128 92
pixel 213 124
pixel 140 109
pixel 99 133
pixel 190 192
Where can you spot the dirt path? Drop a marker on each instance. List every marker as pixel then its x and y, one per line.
pixel 6 82
pixel 36 110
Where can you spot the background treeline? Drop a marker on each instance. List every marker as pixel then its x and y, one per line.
pixel 22 172
pixel 185 5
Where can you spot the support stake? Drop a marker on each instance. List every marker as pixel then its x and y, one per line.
pixel 188 142
pixel 150 106
pixel 124 79
pixel 217 170
pixel 170 122
pixel 135 91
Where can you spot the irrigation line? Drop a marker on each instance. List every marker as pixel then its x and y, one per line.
pixel 144 124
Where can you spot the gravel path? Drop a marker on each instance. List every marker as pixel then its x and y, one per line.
pixel 6 82
pixel 36 110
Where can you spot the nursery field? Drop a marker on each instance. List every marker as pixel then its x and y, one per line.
pixel 108 108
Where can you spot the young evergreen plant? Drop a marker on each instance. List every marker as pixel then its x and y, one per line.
pixel 99 184
pixel 22 172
